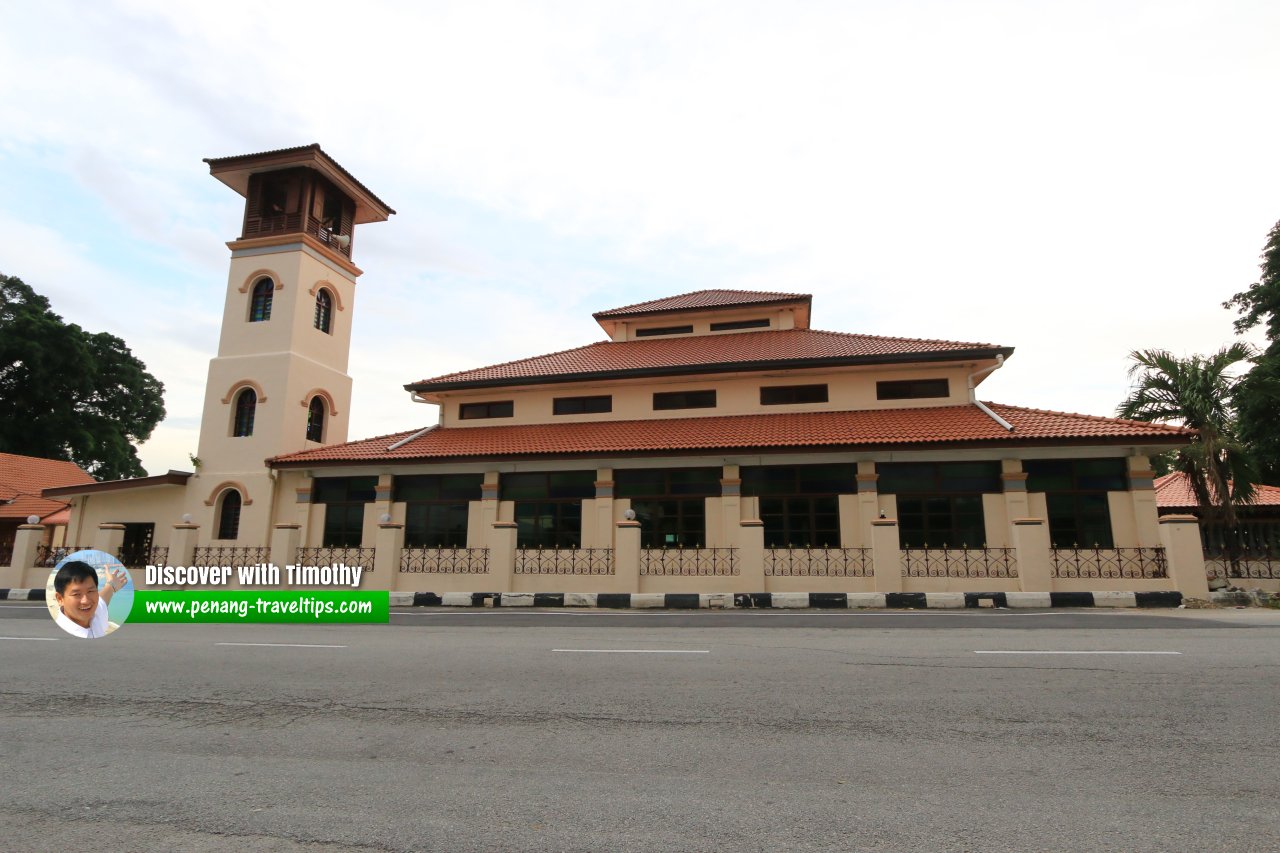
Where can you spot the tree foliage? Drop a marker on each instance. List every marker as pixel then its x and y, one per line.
pixel 1198 392
pixel 71 394
pixel 1259 393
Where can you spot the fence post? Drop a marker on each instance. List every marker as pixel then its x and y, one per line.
pixel 751 555
pixel 626 554
pixel 502 557
pixel 110 538
pixel 25 543
pixel 386 556
pixel 1184 555
pixel 285 539
pixel 886 555
pixel 182 544
pixel 1031 543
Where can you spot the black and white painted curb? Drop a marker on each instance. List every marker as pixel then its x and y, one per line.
pixel 21 594
pixel 756 600
pixel 787 600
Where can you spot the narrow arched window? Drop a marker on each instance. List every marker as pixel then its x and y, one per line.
pixel 229 515
pixel 246 403
pixel 315 420
pixel 324 310
pixel 260 307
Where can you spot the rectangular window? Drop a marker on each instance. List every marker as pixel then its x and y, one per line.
pixel 762 323
pixel 1076 496
pixel 941 521
pixel 801 521
pixel 344 499
pixel 548 506
pixel 476 411
pixel 897 478
pixel 665 400
pixel 913 389
pixel 436 508
pixel 663 330
pixel 798 503
pixel 782 395
pixel 582 405
pixel 669 503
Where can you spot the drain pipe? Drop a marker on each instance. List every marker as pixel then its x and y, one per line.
pixel 973 394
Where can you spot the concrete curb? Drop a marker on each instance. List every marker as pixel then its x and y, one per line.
pixel 787 600
pixel 21 594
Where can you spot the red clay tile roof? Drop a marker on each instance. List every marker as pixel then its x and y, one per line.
pixel 216 163
pixel 881 428
pixel 709 354
pixel 1173 492
pixel 703 300
pixel 22 478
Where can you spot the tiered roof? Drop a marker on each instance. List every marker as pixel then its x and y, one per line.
pixel 921 428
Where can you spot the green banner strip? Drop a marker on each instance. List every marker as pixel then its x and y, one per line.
pixel 293 605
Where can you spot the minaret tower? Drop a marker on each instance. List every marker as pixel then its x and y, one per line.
pixel 279 382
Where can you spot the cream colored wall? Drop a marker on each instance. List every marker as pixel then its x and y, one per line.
pixel 159 505
pixel 736 394
pixel 779 318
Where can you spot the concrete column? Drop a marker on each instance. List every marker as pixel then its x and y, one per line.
pixel 730 508
pixel 1180 536
pixel 110 538
pixel 489 501
pixel 886 555
pixel 626 554
pixel 751 554
pixel 1031 545
pixel 25 543
pixel 1142 491
pixel 1016 504
pixel 182 544
pixel 868 503
pixel 602 524
pixel 381 498
pixel 386 559
pixel 502 556
pixel 285 539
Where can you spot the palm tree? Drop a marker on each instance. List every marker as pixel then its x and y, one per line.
pixel 1200 393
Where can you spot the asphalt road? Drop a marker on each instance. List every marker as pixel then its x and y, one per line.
pixel 576 731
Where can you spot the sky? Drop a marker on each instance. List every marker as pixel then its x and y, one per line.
pixel 1076 180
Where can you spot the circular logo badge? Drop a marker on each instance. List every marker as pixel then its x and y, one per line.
pixel 89 594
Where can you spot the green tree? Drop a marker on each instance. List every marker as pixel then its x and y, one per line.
pixel 1198 392
pixel 1258 401
pixel 70 394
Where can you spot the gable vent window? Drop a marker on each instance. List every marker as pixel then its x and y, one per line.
pixel 913 389
pixel 479 411
pixel 663 330
pixel 782 395
pixel 664 400
pixel 734 325
pixel 582 405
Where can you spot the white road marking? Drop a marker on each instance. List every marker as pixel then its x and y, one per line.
pixel 51 639
pixel 1095 652
pixel 639 651
pixel 284 645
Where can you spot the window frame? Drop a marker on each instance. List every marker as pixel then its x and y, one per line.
pixel 323 319
pixel 792 395
pixel 243 414
pixel 316 411
pixel 603 404
pixel 486 410
pixel 233 525
pixel 669 401
pixel 913 389
pixel 261 298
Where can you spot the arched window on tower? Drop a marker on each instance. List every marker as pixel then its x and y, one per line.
pixel 324 310
pixel 260 306
pixel 315 419
pixel 229 515
pixel 246 403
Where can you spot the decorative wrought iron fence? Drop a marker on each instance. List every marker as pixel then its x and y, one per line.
pixel 688 562
pixel 230 555
pixel 137 558
pixel 445 561
pixel 818 562
pixel 48 556
pixel 564 561
pixel 332 556
pixel 959 563
pixel 1108 563
pixel 1264 565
